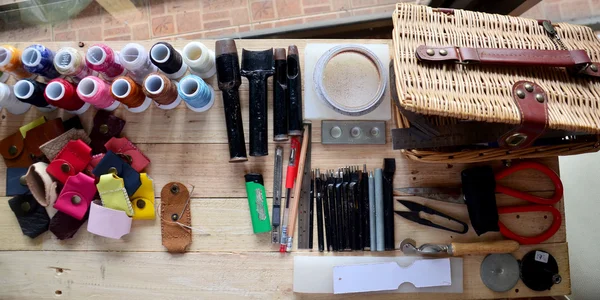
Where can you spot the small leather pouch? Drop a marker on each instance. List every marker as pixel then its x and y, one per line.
pixel 41 185
pixel 72 159
pixel 107 222
pixel 113 194
pixel 15 181
pixel 64 226
pixel 32 217
pixel 72 123
pixel 111 163
pixel 175 209
pixel 12 149
pixel 143 200
pixel 33 124
pixel 124 148
pixel 54 146
pixel 76 196
pixel 106 126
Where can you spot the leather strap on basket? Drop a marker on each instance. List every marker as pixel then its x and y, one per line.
pixel 533 106
pixel 576 60
pixel 175 214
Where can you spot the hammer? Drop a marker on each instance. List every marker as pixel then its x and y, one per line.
pixel 257 66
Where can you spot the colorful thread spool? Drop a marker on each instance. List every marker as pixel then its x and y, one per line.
pixel 96 92
pixel 128 92
pixel 104 60
pixel 162 90
pixel 10 62
pixel 168 60
pixel 62 94
pixel 32 92
pixel 135 59
pixel 68 61
pixel 200 59
pixel 39 60
pixel 198 95
pixel 10 102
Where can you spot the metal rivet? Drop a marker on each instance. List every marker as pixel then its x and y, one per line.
pixel 556 278
pixel 75 199
pixel 375 131
pixel 112 170
pixel 336 132
pixel 174 189
pixel 443 52
pixel 12 150
pixel 516 139
pixel 25 206
pixel 520 94
pixel 104 129
pixel 594 68
pixel 355 132
pixel 65 168
pixel 539 98
pixel 140 204
pixel 430 52
pixel 529 87
pixel 174 217
pixel 23 180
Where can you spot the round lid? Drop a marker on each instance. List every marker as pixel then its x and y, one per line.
pixel 499 272
pixel 539 270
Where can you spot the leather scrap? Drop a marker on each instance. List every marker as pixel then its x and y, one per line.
pixel 54 146
pixel 15 181
pixel 64 226
pixel 32 217
pixel 175 207
pixel 41 185
pixel 106 126
pixel 107 222
pixel 33 124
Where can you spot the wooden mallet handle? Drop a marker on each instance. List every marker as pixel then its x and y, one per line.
pixel 478 248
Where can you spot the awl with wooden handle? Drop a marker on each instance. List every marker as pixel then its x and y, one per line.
pixel 408 247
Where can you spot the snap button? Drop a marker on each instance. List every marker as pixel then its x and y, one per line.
pixel 12 150
pixel 75 199
pixel 174 217
pixel 174 189
pixel 140 204
pixel 112 170
pixel 104 129
pixel 65 168
pixel 23 181
pixel 126 157
pixel 25 207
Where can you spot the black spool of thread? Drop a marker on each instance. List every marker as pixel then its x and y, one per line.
pixel 294 91
pixel 31 91
pixel 166 58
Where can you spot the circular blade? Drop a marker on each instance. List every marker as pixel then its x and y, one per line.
pixel 539 270
pixel 408 246
pixel 499 272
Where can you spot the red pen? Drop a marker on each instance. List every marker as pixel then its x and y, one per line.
pixel 290 178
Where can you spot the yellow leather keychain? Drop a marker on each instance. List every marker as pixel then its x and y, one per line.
pixel 113 194
pixel 143 199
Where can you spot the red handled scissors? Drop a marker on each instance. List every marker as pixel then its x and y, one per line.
pixel 541 204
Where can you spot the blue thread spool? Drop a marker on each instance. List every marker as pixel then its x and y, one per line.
pixel 39 60
pixel 197 95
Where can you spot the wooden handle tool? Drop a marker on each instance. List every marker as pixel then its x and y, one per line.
pixel 504 246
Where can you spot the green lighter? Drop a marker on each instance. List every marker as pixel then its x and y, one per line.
pixel 257 201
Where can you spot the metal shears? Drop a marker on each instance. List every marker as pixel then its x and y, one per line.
pixel 454 195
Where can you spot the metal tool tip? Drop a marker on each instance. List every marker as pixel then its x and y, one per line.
pixel 279 53
pixel 293 50
pixel 225 46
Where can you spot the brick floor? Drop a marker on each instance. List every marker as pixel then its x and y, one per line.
pixel 189 19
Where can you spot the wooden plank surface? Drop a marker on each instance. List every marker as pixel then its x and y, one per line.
pixel 226 260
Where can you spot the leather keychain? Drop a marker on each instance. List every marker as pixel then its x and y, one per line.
pixel 113 194
pixel 42 187
pixel 33 124
pixel 93 163
pixel 76 196
pixel 107 222
pixel 124 148
pixel 32 217
pixel 64 226
pixel 72 159
pixel 111 163
pixel 106 126
pixel 175 212
pixel 15 181
pixel 40 135
pixel 19 152
pixel 54 146
pixel 143 199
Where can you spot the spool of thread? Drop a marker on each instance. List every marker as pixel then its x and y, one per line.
pixel 10 62
pixel 32 92
pixel 135 59
pixel 68 61
pixel 10 102
pixel 200 59
pixel 168 60
pixel 128 92
pixel 39 60
pixel 3 76
pixel 62 94
pixel 198 95
pixel 96 92
pixel 104 60
pixel 162 90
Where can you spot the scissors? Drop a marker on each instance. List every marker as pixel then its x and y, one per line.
pixel 541 204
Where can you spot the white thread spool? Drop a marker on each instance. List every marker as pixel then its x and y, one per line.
pixel 10 102
pixel 200 59
pixel 134 58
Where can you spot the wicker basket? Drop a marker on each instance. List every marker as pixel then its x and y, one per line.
pixel 452 93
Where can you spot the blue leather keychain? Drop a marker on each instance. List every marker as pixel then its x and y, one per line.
pixel 112 163
pixel 15 181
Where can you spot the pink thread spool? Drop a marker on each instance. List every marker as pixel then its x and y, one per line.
pixel 104 60
pixel 96 92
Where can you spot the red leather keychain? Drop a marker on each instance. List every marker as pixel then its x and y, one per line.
pixel 72 159
pixel 127 150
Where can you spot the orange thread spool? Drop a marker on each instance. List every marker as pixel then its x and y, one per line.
pixel 10 62
pixel 127 91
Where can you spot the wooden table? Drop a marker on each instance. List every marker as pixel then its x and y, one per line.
pixel 225 259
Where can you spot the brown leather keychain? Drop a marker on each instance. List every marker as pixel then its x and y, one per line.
pixel 176 219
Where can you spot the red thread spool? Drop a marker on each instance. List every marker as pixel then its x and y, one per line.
pixel 103 59
pixel 62 94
